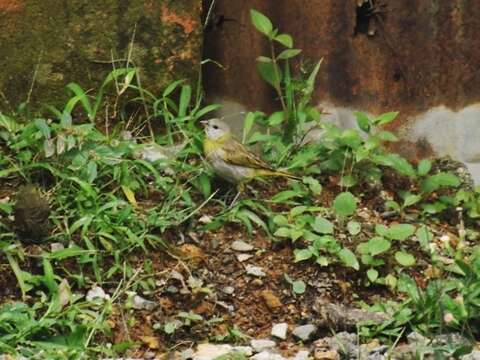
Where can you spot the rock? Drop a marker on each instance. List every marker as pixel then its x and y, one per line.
pixel 340 317
pixel 452 340
pixel 241 246
pixel 244 350
pixel 403 352
pixel 271 300
pixel 187 354
pixel 255 271
pixel 417 339
pixel 304 332
pixel 244 257
pixel 262 344
pixel 171 289
pixel 301 355
pixel 209 351
pixel 475 355
pixel 229 290
pixel 97 293
pixel 140 303
pixel 326 355
pixel 267 355
pixel 56 246
pixel 280 330
pixel 205 219
pixel 345 343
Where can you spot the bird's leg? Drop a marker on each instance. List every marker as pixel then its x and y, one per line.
pixel 240 188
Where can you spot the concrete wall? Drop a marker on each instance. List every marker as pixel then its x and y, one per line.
pixel 45 44
pixel 419 57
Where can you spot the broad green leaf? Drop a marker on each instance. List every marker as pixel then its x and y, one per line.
pixel 400 231
pixel 386 118
pixel 411 199
pixel 349 258
pixel 345 204
pixel 299 287
pixel 313 184
pixel 424 167
pixel 404 258
pixel 354 227
pixel 280 220
pixel 288 54
pixel 378 245
pixel 372 275
pixel 42 125
pixel 381 229
pixel 322 226
pixel 264 59
pixel 298 210
pixel 323 261
pixel 261 22
pixel 285 195
pixel 348 181
pixel 363 122
pixel 283 232
pixel 270 73
pixel 387 136
pixel 302 254
pixel 424 236
pixel 276 118
pixel 296 234
pixel 285 39
pixel 437 181
pixel 395 161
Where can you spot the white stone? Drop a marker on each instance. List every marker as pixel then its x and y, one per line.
pixel 244 257
pixel 97 293
pixel 229 290
pixel 304 332
pixel 267 355
pixel 242 246
pixel 56 246
pixel 260 345
pixel 301 355
pixel 280 330
pixel 245 350
pixel 140 303
pixel 255 271
pixel 209 351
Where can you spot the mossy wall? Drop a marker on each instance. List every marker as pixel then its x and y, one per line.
pixel 45 44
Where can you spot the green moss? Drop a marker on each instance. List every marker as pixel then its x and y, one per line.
pixel 76 40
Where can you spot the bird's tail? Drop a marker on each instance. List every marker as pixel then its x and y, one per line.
pixel 280 173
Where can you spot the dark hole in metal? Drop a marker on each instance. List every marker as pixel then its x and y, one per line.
pixel 363 18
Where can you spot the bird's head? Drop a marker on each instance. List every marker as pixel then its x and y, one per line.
pixel 216 128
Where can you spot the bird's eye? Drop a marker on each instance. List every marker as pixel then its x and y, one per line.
pixel 215 126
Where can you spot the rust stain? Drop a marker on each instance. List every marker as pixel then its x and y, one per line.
pixel 11 6
pixel 187 22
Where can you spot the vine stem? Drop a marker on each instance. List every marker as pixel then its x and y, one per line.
pixel 278 88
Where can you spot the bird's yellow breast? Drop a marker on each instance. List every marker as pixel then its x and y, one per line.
pixel 212 145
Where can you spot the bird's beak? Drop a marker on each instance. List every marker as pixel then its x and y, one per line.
pixel 204 122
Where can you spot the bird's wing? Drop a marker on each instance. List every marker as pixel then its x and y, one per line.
pixel 237 154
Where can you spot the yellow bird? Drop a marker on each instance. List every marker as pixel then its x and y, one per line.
pixel 231 160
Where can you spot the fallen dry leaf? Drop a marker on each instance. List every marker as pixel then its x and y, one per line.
pixel 271 300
